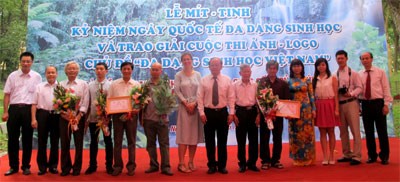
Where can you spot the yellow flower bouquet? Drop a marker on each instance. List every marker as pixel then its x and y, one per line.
pixel 65 100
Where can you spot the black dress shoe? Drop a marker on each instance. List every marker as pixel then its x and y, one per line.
pixel 370 161
pixel 116 172
pixel 110 170
pixel 384 162
pixel 223 171
pixel 242 169
pixel 211 170
pixel 76 173
pixel 253 168
pixel 354 162
pixel 41 173
pixel 10 172
pixel 344 159
pixel 26 171
pixel 53 170
pixel 167 172
pixel 64 173
pixel 131 173
pixel 90 170
pixel 151 170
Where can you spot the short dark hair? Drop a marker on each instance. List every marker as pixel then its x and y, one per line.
pixel 370 53
pixel 126 63
pixel 341 52
pixel 27 54
pixel 272 63
pixel 294 63
pixel 103 64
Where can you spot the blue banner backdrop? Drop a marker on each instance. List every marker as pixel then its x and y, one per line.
pixel 249 31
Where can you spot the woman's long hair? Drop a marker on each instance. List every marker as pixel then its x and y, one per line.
pixel 316 72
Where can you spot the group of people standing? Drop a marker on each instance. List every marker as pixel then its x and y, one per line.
pixel 331 100
pixel 207 106
pixel 28 104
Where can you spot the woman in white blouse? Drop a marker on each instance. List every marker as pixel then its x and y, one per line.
pixel 327 106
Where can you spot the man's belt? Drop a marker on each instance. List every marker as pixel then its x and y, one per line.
pixel 21 105
pixel 348 100
pixel 215 109
pixel 47 111
pixel 237 107
pixel 371 101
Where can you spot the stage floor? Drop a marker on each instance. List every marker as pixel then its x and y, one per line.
pixel 337 172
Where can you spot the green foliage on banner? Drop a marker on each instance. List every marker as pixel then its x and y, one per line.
pixel 367 35
pixel 40 19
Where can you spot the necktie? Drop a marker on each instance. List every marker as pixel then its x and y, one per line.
pixel 215 92
pixel 368 86
pixel 101 87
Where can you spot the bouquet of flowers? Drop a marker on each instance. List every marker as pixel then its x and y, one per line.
pixel 101 103
pixel 140 98
pixel 65 100
pixel 164 99
pixel 267 102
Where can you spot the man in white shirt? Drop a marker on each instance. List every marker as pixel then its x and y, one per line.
pixel 349 89
pixel 246 119
pixel 95 86
pixel 214 96
pixel 47 122
pixel 18 94
pixel 375 101
pixel 81 89
pixel 122 87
